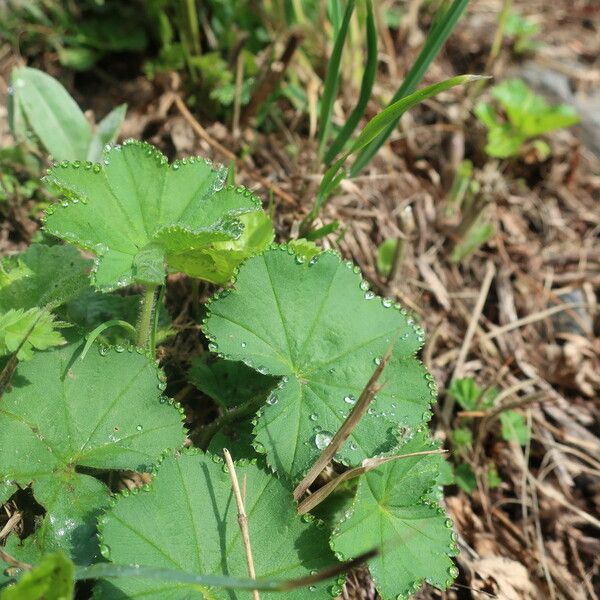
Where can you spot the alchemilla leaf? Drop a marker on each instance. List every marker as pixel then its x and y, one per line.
pixel 205 535
pixel 42 276
pixel 317 325
pixel 142 216
pixel 64 417
pixel 393 511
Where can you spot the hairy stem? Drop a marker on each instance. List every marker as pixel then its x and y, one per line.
pixel 145 321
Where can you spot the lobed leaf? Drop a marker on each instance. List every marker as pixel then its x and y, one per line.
pixel 51 579
pixel 139 216
pixel 392 510
pixel 317 326
pixel 36 326
pixel 42 276
pixel 205 537
pixel 64 419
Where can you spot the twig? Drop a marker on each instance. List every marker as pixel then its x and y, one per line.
pixel 10 525
pixel 348 426
pixel 240 164
pixel 13 562
pixel 532 319
pixel 464 351
pixel 367 465
pixel 242 519
pixel 272 77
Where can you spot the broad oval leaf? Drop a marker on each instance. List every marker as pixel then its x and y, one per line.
pixel 140 215
pixel 393 511
pixel 41 104
pixel 64 416
pixel 317 325
pixel 205 535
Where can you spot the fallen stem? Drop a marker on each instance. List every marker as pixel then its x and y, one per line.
pixel 242 519
pixel 367 465
pixel 348 426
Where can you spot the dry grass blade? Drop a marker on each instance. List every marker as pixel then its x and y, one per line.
pixel 348 426
pixel 242 519
pixel 240 164
pixel 466 345
pixel 367 465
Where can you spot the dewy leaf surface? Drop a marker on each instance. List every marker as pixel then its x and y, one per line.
pixel 63 415
pixel 141 215
pixel 392 511
pixel 318 326
pixel 205 535
pixel 42 276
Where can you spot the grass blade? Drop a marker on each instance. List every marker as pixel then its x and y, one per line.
pixel 332 78
pixel 109 570
pixel 374 128
pixel 366 87
pixel 438 35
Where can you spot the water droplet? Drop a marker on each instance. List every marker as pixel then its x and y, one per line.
pixel 387 302
pixel 272 400
pixel 139 428
pixel 313 261
pixel 299 260
pixel 213 347
pixel 103 350
pixel 97 168
pixel 243 344
pixel 453 571
pixel 105 551
pixel 322 439
pixel 448 523
pixel 162 386
pixel 349 399
pixel 119 348
pixel 314 417
pixel 353 446
pixel 175 166
pixel 364 285
pixel 369 295
pixel 377 360
pixel 313 588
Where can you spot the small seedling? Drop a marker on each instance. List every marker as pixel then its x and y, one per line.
pixel 519 115
pixel 522 31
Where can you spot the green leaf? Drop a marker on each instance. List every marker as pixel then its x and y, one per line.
pixel 439 33
pixel 317 326
pixel 366 86
pixel 462 437
pixel 514 427
pixel 229 383
pixel 528 115
pixel 43 277
pixel 51 113
pixel 391 512
pixel 332 78
pixel 64 418
pixel 140 216
pixel 37 325
pixel 106 132
pixel 465 478
pixel 477 235
pixel 470 396
pixel 205 537
pixel 7 489
pixel 51 579
pixel 385 256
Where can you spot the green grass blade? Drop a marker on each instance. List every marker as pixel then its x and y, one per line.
pixel 366 87
pixel 332 78
pixel 374 128
pixel 335 12
pixel 437 37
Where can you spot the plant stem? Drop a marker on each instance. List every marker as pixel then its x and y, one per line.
pixel 145 320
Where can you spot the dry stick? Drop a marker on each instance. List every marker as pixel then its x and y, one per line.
pixel 13 562
pixel 348 426
pixel 466 346
pixel 240 164
pixel 532 319
pixel 272 77
pixel 242 519
pixel 367 465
